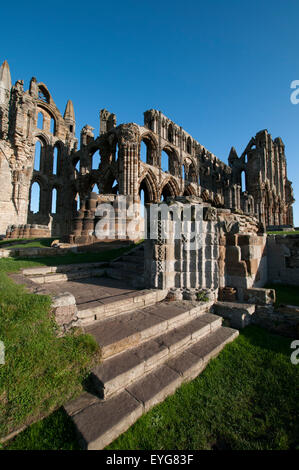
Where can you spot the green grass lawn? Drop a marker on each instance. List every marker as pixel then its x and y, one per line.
pixel 247 398
pixel 26 243
pixel 41 371
pixel 281 232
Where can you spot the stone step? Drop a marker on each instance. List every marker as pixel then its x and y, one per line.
pixel 135 279
pixel 121 370
pixel 127 266
pixel 98 312
pixel 99 422
pixel 132 259
pixel 130 330
pixel 239 314
pixel 68 276
pixel 64 268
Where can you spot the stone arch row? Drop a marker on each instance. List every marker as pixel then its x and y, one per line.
pixel 47 157
pixel 96 156
pixel 153 193
pixel 43 197
pixel 175 167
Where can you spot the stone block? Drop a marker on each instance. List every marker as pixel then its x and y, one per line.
pixel 259 296
pixel 238 314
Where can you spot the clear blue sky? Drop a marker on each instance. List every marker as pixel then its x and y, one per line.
pixel 220 68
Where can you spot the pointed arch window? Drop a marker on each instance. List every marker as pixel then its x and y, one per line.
pixel 54 201
pixel 40 120
pixel 52 126
pixel 55 159
pixel 37 155
pixel 35 198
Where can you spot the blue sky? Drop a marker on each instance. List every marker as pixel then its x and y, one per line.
pixel 221 69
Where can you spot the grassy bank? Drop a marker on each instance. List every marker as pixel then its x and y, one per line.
pixel 245 399
pixel 41 371
pixel 281 232
pixel 26 243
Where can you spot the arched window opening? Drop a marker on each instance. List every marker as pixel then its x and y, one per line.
pixel 55 160
pixel 43 95
pixel 52 126
pixel 78 166
pixel 170 133
pixel 37 155
pixel 40 120
pixel 243 182
pixel 54 201
pixel 165 193
pixel 96 159
pixel 189 145
pixel 35 198
pixel 164 161
pixel 143 152
pixel 142 202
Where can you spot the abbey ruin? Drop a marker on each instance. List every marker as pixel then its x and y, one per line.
pixel 38 148
pixel 155 310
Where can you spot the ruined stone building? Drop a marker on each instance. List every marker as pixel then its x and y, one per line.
pixel 38 148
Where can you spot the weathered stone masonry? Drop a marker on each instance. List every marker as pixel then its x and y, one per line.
pixel 113 162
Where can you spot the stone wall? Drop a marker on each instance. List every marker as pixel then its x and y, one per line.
pixel 27 231
pixel 283 262
pixel 226 249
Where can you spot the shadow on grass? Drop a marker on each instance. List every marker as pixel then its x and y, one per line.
pixel 263 339
pixel 57 431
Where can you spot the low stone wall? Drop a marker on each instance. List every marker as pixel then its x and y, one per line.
pixel 28 231
pixel 34 252
pixel 283 320
pixel 283 259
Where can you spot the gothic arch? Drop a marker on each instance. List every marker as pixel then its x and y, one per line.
pixel 169 188
pixel 148 180
pixel 173 160
pixel 151 148
pixel 190 191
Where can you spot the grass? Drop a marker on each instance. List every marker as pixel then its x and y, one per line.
pixel 283 232
pixel 15 264
pixel 245 399
pixel 41 371
pixel 285 294
pixel 26 243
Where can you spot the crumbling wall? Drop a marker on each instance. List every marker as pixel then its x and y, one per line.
pixel 283 259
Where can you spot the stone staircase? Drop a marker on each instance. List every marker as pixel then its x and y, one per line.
pixel 146 355
pixel 68 272
pixel 129 267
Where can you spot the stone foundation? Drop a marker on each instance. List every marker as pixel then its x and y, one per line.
pixel 27 231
